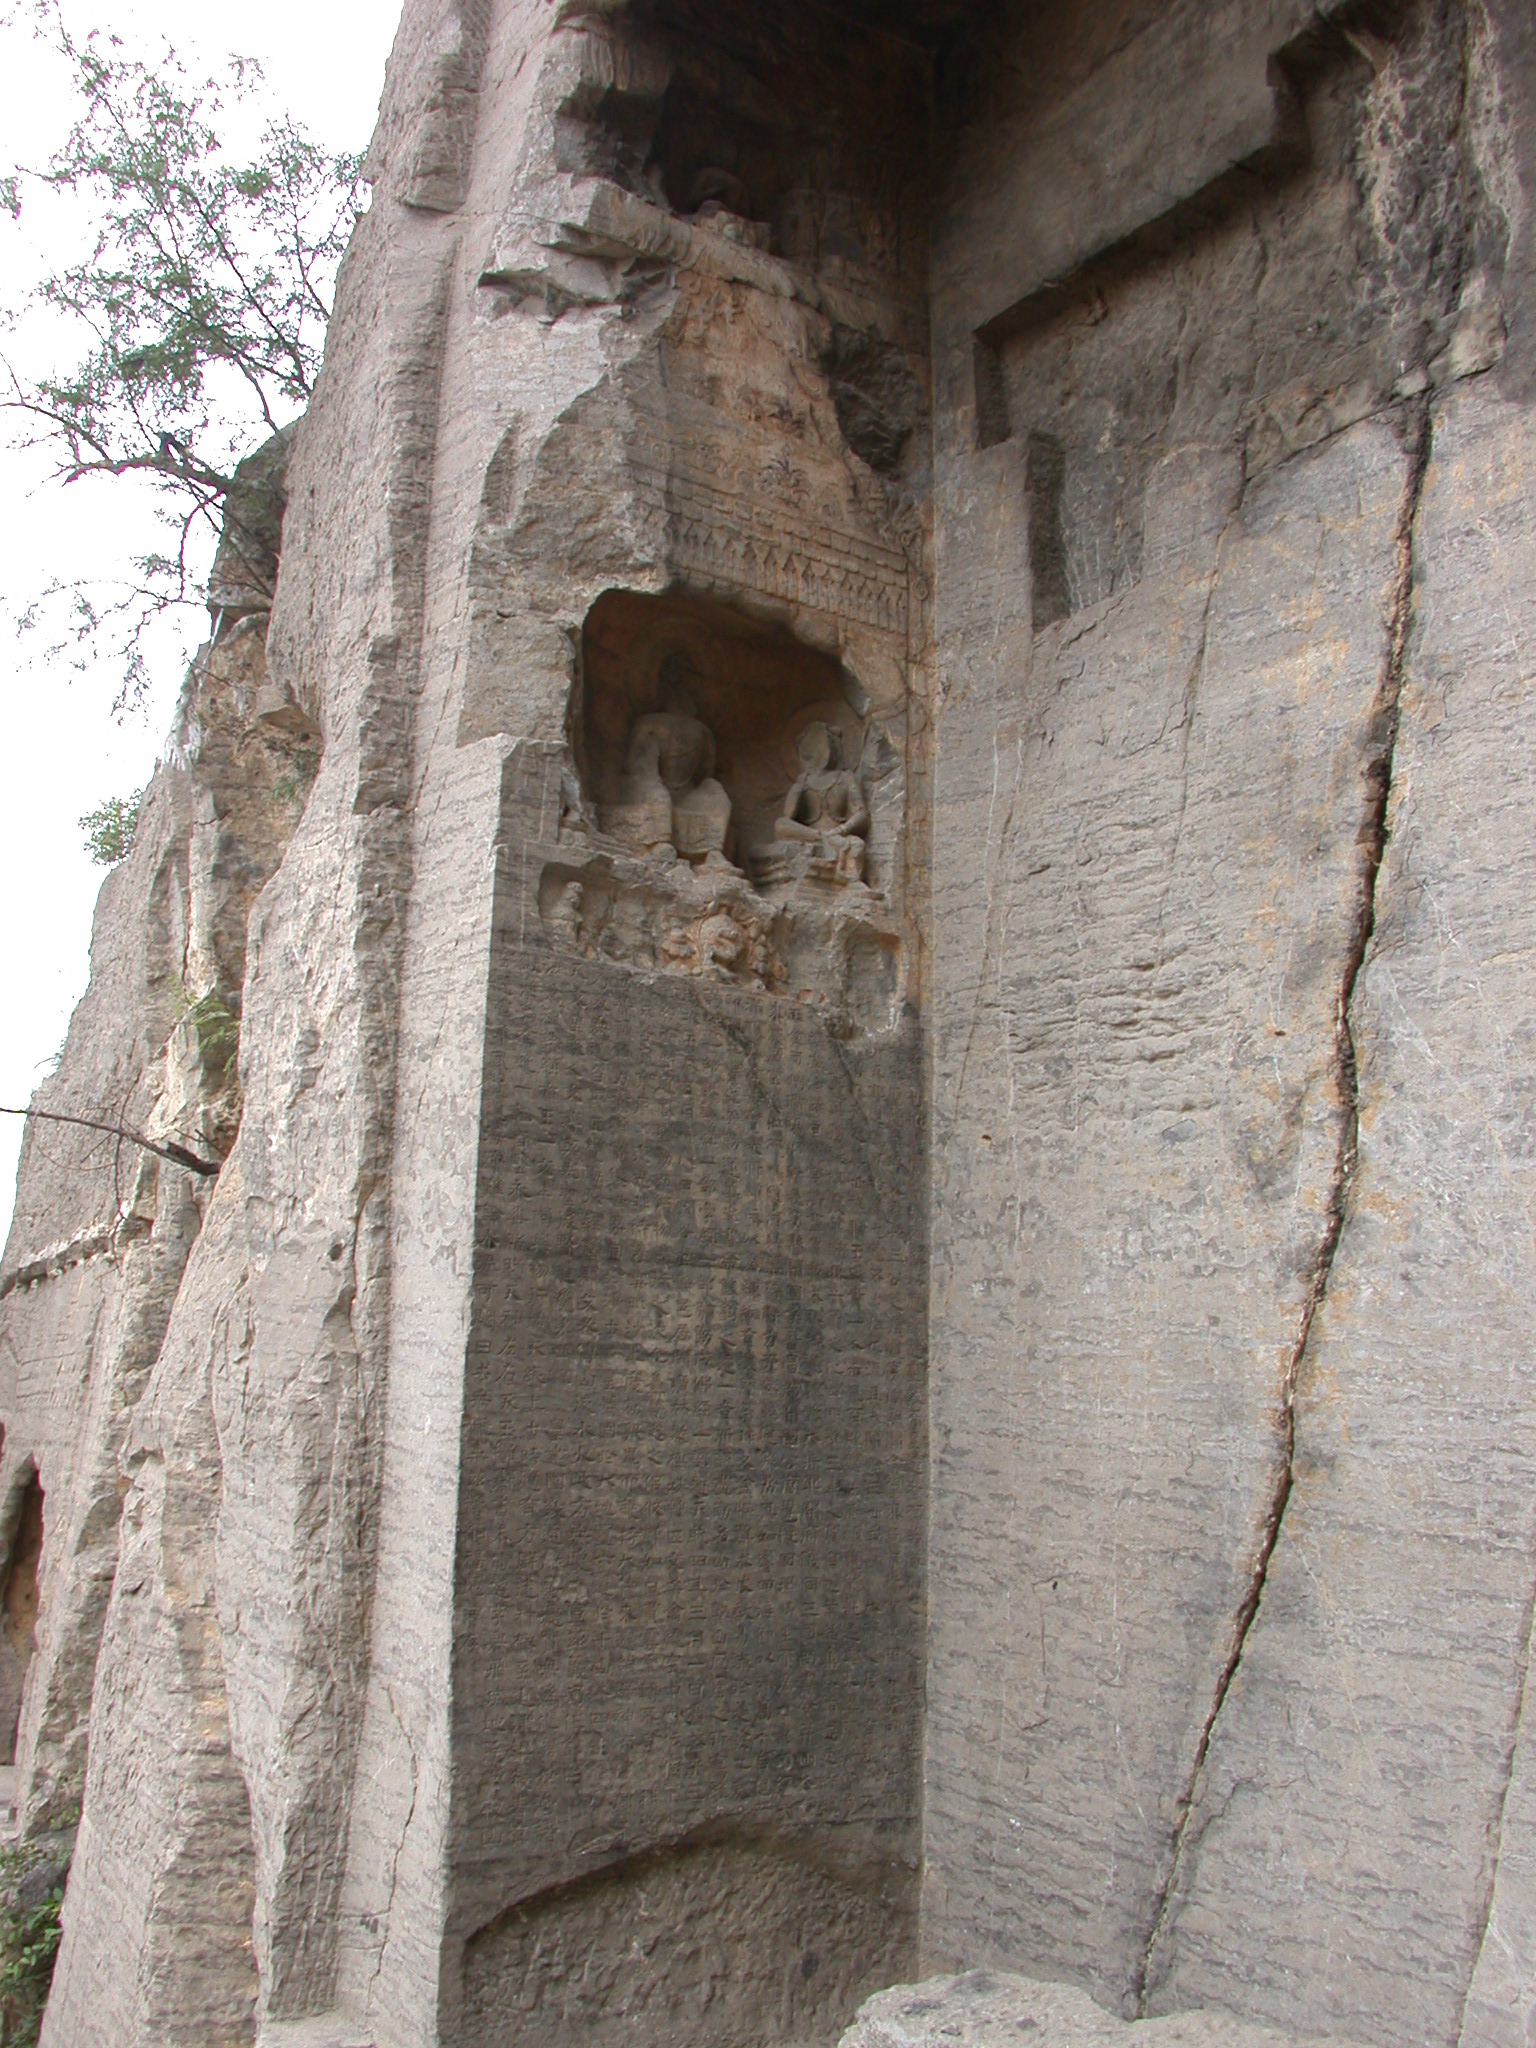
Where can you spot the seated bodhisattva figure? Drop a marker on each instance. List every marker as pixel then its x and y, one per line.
pixel 671 797
pixel 826 809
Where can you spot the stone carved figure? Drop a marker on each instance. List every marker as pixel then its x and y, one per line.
pixel 671 798
pixel 566 912
pixel 718 945
pixel 826 809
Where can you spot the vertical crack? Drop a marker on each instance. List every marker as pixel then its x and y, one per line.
pixel 1485 1913
pixel 382 1927
pixel 1191 693
pixel 1418 433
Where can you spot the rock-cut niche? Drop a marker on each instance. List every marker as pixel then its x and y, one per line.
pixel 18 1606
pixel 739 813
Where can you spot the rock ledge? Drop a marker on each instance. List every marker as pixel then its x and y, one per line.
pixel 990 2009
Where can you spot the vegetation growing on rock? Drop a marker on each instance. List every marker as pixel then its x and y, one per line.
pixel 31 1893
pixel 109 829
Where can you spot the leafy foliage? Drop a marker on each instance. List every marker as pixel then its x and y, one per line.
pixel 294 785
pixel 31 1894
pixel 217 1029
pixel 109 829
pixel 201 307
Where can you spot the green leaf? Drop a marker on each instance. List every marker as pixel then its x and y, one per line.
pixel 201 311
pixel 109 829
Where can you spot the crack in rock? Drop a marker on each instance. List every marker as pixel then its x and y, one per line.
pixel 1486 1925
pixel 1373 839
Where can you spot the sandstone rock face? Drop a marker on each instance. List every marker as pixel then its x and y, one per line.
pixel 991 2009
pixel 1229 1572
pixel 152 1049
pixel 848 948
pixel 471 1410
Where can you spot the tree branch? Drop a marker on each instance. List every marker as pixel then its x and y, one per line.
pixel 178 1155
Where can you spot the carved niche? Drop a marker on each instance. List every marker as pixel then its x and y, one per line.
pixel 733 812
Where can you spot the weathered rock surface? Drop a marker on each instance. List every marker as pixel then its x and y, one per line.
pixel 1405 1549
pixel 314 1660
pixel 866 1301
pixel 1228 1622
pixel 991 2009
pixel 151 1049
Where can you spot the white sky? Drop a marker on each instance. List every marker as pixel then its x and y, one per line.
pixel 61 751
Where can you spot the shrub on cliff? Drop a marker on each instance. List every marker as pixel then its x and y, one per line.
pixel 109 829
pixel 31 1895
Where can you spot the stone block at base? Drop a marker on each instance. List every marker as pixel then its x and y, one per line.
pixel 990 2009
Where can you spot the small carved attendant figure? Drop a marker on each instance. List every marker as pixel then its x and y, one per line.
pixel 671 797
pixel 826 809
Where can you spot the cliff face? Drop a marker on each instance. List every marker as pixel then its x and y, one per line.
pixel 1230 1557
pixel 852 947
pixel 104 1228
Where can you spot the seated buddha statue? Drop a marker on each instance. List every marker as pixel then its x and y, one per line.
pixel 670 796
pixel 826 809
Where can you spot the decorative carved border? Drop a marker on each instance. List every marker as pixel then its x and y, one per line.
pixel 740 542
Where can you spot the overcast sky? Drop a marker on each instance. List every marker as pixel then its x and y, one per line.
pixel 61 751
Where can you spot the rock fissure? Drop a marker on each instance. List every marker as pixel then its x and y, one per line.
pixel 397 1847
pixel 1485 1910
pixel 993 914
pixel 1373 839
pixel 1187 711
